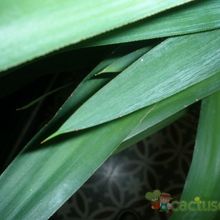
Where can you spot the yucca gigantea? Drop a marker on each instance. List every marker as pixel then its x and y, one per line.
pixel 176 63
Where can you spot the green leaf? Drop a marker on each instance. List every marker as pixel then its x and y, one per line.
pixel 199 16
pixel 141 133
pixel 121 63
pixel 71 61
pixel 42 177
pixel 204 175
pixel 167 69
pixel 34 186
pixel 29 29
pixel 167 110
pixel 85 89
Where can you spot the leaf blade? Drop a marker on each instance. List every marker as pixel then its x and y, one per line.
pixel 197 17
pixel 34 171
pixel 49 24
pixel 207 154
pixel 196 58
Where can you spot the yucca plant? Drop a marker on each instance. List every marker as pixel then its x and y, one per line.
pixel 165 57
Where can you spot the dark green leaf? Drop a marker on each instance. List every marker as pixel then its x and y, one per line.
pixel 42 177
pixel 204 175
pixel 167 69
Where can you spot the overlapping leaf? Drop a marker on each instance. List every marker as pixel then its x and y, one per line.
pixel 121 63
pixel 174 104
pixel 167 69
pixel 197 17
pixel 45 175
pixel 29 29
pixel 148 94
pixel 89 85
pixel 140 133
pixel 42 177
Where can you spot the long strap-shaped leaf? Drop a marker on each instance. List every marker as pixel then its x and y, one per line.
pixel 204 175
pixel 200 16
pixel 121 63
pixel 167 69
pixel 58 167
pixel 43 177
pixel 83 91
pixel 141 133
pixel 30 29
pixel 87 88
pixel 170 106
pixel 114 64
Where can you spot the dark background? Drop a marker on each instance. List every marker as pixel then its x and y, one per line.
pixel 116 191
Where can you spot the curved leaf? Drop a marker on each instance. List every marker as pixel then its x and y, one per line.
pixel 204 175
pixel 43 177
pixel 29 29
pixel 121 63
pixel 177 102
pixel 199 16
pixel 167 69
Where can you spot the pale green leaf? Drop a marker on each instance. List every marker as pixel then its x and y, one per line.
pixel 122 62
pixel 29 29
pixel 167 110
pixel 167 69
pixel 197 17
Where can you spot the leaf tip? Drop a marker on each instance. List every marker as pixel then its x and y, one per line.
pixel 49 138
